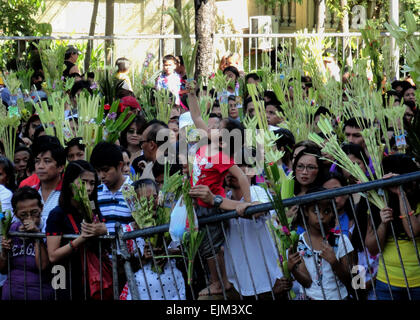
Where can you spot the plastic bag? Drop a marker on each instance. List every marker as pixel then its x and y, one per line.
pixel 179 221
pixel 177 225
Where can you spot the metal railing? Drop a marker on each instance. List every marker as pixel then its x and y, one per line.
pixel 145 234
pixel 68 277
pixel 160 272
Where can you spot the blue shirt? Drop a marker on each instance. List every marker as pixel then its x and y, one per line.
pixel 113 207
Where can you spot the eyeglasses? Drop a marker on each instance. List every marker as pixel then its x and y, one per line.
pixel 132 131
pixel 33 214
pixel 309 168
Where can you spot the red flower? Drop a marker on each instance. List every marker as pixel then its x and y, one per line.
pixel 107 107
pixel 271 163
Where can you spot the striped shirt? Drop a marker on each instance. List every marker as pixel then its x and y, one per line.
pixel 113 207
pixel 50 203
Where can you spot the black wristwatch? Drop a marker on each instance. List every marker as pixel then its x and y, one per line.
pixel 217 201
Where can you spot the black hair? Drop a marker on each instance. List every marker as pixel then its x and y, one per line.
pixel 232 69
pixel 140 124
pixel 340 178
pixel 180 60
pixel 43 144
pixel 247 156
pixel 106 154
pixel 232 98
pixel 275 104
pixel 23 148
pixel 245 105
pixel 406 86
pixel 25 193
pixel 307 81
pixel 357 151
pixel 287 142
pixel 33 118
pixel 30 166
pixel 398 83
pixel 73 170
pixel 319 177
pixel 9 170
pixel 156 126
pixel 411 105
pixel 305 144
pixel 322 110
pixel 37 74
pixel 123 64
pixel 158 169
pixel 169 57
pixel 400 164
pixel 272 98
pixel 215 115
pixel 80 85
pixel 354 123
pixel 396 163
pixel 386 97
pixel 184 100
pixel 233 126
pixel 144 183
pixel 216 104
pixel 327 229
pixel 252 76
pixel 74 142
pixel 40 129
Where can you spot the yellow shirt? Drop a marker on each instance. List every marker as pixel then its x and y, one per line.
pixel 393 265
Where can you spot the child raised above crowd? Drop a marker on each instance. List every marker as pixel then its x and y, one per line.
pixel 213 161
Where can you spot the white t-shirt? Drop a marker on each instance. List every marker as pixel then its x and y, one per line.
pixel 5 199
pixel 326 272
pixel 247 261
pixel 148 284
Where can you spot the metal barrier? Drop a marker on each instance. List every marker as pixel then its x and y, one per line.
pixel 57 281
pixel 143 277
pixel 143 259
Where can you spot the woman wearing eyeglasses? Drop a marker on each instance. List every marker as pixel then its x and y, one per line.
pixel 28 259
pixel 308 169
pixel 131 136
pixel 308 173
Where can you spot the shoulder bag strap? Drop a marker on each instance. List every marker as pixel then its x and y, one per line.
pixel 73 223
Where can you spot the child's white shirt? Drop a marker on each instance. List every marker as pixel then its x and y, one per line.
pixel 148 283
pixel 326 273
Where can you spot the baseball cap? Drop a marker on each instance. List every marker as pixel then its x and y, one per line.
pixel 72 49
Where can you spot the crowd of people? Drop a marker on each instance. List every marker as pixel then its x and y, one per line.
pixel 240 256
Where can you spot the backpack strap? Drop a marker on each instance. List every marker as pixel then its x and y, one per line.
pixel 73 223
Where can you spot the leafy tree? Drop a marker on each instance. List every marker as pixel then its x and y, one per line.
pixel 18 18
